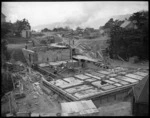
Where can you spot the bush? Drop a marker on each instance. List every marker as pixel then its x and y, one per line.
pixel 43 42
pixel 7 84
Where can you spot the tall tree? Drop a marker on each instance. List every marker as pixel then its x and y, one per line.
pixel 6 28
pixel 109 24
pixel 20 25
pixel 45 30
pixel 130 42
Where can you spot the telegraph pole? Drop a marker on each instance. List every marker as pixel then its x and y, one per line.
pixel 71 48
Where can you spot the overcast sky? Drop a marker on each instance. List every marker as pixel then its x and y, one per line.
pixel 39 13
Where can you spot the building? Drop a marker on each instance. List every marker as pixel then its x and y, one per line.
pixel 26 33
pixel 45 54
pixel 3 18
pixel 128 25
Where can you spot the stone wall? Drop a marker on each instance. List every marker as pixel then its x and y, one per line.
pixel 30 56
pixel 53 55
pixel 110 98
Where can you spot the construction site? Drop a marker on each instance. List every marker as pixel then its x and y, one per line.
pixel 74 65
pixel 57 74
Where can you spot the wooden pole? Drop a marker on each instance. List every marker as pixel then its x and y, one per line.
pixel 10 105
pixel 13 82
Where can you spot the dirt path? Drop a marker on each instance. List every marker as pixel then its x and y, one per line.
pixel 16 52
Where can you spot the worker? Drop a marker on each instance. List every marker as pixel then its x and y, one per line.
pixel 55 70
pixel 26 46
pixel 102 81
pixel 47 59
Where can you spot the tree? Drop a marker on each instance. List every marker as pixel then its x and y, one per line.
pixel 130 42
pixel 6 28
pixel 79 29
pixel 67 28
pixel 4 52
pixel 7 84
pixel 139 18
pixel 109 24
pixel 20 25
pixel 45 30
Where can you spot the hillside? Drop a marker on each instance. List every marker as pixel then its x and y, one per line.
pixel 95 23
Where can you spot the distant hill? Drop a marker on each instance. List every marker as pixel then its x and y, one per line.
pixel 94 23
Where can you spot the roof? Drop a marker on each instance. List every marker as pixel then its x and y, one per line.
pixel 85 58
pixel 125 24
pixel 56 63
pixel 28 50
pixel 78 107
pixel 58 46
pixel 141 90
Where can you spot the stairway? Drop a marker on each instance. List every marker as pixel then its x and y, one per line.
pixel 18 56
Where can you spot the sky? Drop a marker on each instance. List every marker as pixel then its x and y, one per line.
pixel 76 13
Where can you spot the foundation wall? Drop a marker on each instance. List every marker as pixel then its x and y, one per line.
pixel 117 96
pixel 112 97
pixel 31 57
pixel 53 55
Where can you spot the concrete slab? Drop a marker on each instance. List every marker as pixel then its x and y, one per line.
pixel 123 82
pixel 82 76
pixel 93 76
pixel 91 80
pixel 72 80
pixel 110 82
pixel 78 88
pixel 141 73
pixel 127 79
pixel 70 85
pixel 43 65
pixel 114 79
pixel 98 74
pixel 138 77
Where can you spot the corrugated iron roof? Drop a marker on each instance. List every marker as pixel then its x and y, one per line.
pixel 125 24
pixel 79 107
